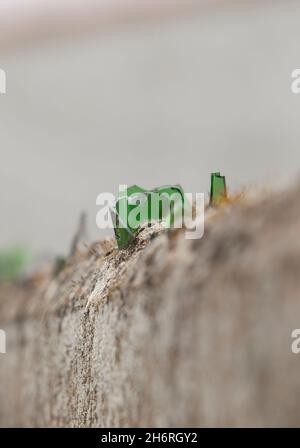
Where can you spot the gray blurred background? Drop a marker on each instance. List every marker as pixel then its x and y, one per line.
pixel 151 99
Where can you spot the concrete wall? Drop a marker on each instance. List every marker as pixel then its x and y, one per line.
pixel 171 332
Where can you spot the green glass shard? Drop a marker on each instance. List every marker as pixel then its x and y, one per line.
pixel 146 206
pixel 218 189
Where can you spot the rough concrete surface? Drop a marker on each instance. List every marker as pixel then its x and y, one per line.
pixel 170 332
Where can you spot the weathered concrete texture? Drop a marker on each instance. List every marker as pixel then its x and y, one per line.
pixel 176 332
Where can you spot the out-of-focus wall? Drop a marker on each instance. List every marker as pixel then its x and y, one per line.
pixel 151 103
